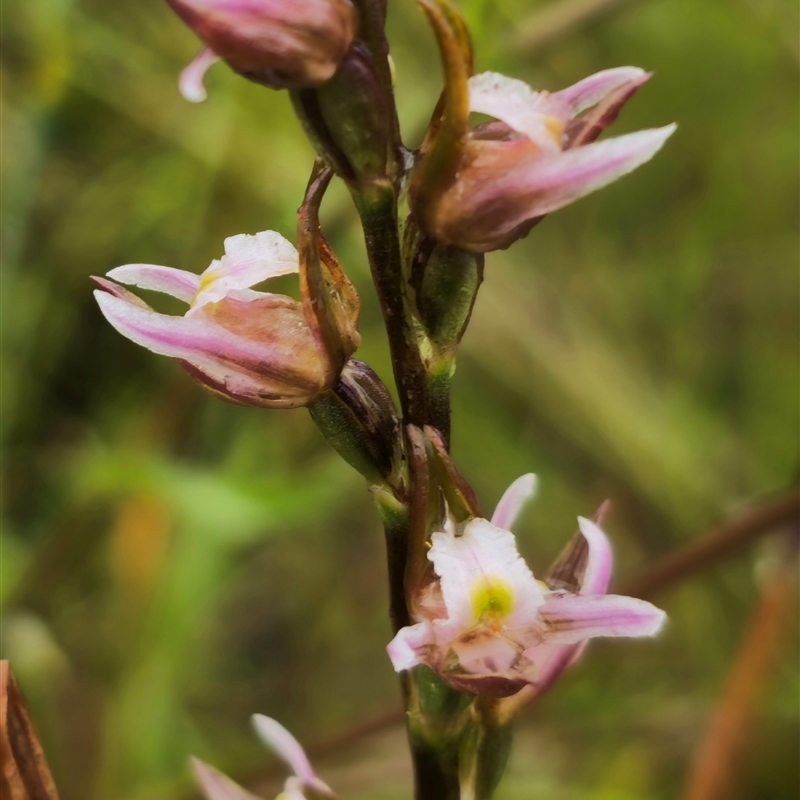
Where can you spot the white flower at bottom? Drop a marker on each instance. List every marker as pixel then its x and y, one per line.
pixel 303 785
pixel 489 627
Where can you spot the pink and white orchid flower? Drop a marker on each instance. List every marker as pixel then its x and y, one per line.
pixel 538 156
pixel 489 627
pixel 249 347
pixel 281 43
pixel 303 785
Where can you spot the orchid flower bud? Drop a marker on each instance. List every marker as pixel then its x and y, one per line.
pixel 249 347
pixel 350 119
pixel 279 43
pixel 481 189
pixel 359 419
pixel 488 627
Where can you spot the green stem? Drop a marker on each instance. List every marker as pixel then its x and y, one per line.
pixel 377 206
pixel 436 716
pixel 397 530
pixel 373 23
pixel 435 772
pixel 424 400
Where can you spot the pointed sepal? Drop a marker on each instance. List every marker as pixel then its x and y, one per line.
pixel 330 301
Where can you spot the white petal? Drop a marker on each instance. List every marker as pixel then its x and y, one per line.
pixel 600 562
pixel 483 556
pixel 191 80
pixel 533 114
pixel 174 282
pixel 292 790
pixel 513 501
pixel 407 648
pixel 284 745
pixel 248 260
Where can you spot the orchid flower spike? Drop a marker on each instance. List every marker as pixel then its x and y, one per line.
pixel 248 347
pixel 481 189
pixel 292 44
pixel 303 785
pixel 489 627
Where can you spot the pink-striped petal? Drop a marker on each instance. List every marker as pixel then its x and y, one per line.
pixel 275 371
pixel 569 618
pixel 191 80
pixel 215 785
pixel 531 113
pixel 174 282
pixel 193 339
pixel 594 89
pixel 600 560
pixel 547 184
pixel 284 745
pixel 115 290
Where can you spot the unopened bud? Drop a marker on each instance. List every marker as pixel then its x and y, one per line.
pixel 280 43
pixel 359 419
pixel 349 119
pixel 445 295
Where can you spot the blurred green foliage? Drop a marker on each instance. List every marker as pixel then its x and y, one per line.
pixel 171 564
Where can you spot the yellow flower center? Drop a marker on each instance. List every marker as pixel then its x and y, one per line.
pixel 206 280
pixel 555 127
pixel 492 599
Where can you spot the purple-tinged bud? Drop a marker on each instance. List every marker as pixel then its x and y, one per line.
pixel 280 43
pixel 359 419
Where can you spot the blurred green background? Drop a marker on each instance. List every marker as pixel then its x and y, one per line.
pixel 172 564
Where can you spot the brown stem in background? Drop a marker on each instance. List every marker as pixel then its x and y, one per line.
pixel 719 543
pixel 24 774
pixel 715 769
